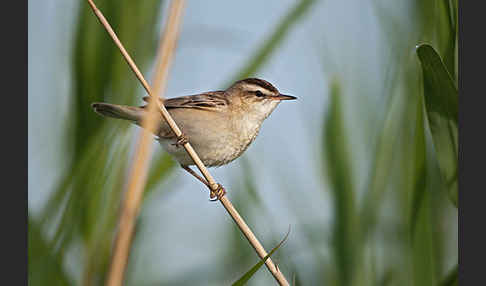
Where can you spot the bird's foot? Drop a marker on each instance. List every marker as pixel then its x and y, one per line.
pixel 181 140
pixel 217 194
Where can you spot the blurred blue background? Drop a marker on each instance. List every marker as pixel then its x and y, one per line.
pixel 365 49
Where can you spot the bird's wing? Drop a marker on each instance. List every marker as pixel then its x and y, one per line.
pixel 209 101
pixel 206 101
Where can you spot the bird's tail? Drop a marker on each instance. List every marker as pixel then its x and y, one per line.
pixel 131 113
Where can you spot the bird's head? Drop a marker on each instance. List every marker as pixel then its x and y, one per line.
pixel 256 96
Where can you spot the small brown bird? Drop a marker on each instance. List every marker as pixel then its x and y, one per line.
pixel 220 125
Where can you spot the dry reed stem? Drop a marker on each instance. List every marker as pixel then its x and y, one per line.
pixel 138 176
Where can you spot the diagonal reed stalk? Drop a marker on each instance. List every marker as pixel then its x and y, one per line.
pixel 138 175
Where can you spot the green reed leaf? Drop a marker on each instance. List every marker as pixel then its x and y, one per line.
pixel 244 279
pixel 423 262
pixel 441 103
pixel 339 172
pixel 420 167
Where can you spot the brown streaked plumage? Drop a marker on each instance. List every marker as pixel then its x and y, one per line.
pixel 220 125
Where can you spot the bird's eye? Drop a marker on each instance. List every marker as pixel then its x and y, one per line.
pixel 258 93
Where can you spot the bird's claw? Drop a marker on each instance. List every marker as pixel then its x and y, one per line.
pixel 217 194
pixel 181 140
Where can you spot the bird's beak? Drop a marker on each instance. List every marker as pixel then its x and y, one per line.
pixel 284 97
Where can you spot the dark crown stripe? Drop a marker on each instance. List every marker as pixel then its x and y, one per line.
pixel 259 82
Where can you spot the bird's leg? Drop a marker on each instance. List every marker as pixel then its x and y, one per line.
pixel 214 195
pixel 181 140
pixel 191 171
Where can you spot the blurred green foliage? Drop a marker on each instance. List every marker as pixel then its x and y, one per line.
pixel 408 173
pixel 44 267
pixel 338 162
pixel 83 207
pixel 420 207
pixel 441 101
